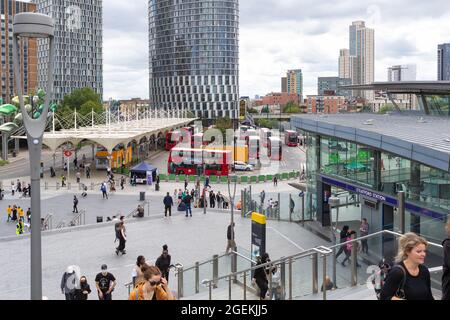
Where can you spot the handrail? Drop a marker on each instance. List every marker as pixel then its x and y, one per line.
pixel 242 256
pixel 80 218
pixel 322 250
pixel 376 234
pixel 205 262
pixel 318 250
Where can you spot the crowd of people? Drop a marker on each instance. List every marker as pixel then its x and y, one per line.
pixel 16 214
pixel 148 282
pixel 21 188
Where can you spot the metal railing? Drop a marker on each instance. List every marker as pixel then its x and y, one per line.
pixel 47 223
pixel 79 219
pixel 314 253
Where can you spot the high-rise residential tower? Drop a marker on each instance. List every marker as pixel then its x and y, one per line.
pixel 78 45
pixel 28 54
pixel 444 62
pixel 194 56
pixel 295 83
pixel 358 62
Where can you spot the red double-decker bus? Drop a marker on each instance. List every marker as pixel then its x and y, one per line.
pixel 291 138
pixel 172 139
pixel 190 161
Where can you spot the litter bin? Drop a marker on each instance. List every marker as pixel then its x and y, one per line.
pixel 142 196
pixel 99 219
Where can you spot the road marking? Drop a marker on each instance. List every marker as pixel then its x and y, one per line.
pixel 285 237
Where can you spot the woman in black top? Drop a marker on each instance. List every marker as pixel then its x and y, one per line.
pixel 260 277
pixel 446 266
pixel 409 279
pixel 84 291
pixel 163 262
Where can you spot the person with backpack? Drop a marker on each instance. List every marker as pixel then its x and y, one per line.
pixel 103 189
pixel 153 287
pixel 75 204
pixel 120 235
pixel 409 279
pixel 260 279
pixel 187 201
pixel 163 262
pixel 68 283
pixel 446 265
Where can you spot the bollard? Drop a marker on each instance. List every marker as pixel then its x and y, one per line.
pixel 180 282
pixel 215 269
pixel 57 186
pixel 92 186
pixel 197 277
pixel 315 272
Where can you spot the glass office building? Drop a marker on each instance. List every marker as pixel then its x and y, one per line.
pixel 367 159
pixel 194 57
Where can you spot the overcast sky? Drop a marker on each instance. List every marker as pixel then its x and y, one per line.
pixel 276 35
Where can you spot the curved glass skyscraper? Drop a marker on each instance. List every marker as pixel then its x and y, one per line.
pixel 194 56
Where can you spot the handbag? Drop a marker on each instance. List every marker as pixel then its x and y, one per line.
pixel 400 293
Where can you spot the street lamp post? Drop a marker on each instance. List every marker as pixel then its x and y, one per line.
pixel 34 25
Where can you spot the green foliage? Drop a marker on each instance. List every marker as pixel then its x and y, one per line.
pixel 223 124
pixel 79 97
pixel 265 109
pixel 252 110
pixel 268 123
pixel 3 163
pixel 89 106
pixel 388 107
pixel 291 107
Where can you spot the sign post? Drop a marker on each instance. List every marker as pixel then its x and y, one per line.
pixel 258 245
pixel 67 154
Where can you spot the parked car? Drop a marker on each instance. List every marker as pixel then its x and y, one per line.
pixel 242 166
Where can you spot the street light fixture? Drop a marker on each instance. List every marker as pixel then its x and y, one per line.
pixel 34 25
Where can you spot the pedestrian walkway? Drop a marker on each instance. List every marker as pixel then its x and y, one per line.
pixel 91 246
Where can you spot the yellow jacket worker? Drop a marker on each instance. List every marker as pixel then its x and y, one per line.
pixel 8 211
pixel 21 213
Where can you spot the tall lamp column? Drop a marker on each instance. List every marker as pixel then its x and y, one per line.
pixel 34 25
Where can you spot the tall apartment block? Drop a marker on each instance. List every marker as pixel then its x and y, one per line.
pixel 194 56
pixel 284 84
pixel 78 46
pixel 28 55
pixel 295 82
pixel 444 62
pixel 358 62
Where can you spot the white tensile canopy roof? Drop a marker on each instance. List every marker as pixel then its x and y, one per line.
pixel 109 136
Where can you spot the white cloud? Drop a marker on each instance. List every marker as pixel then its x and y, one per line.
pixel 278 35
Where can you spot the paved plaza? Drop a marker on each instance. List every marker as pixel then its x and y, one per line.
pixel 189 240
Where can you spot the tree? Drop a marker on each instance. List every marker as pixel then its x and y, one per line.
pixel 252 110
pixel 386 108
pixel 223 124
pixel 291 107
pixel 78 97
pixel 88 106
pixel 265 109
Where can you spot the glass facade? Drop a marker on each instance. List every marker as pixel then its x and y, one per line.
pixel 78 46
pixel 439 105
pixel 426 188
pixel 194 56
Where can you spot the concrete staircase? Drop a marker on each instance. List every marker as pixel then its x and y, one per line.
pixel 222 293
pixel 360 292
